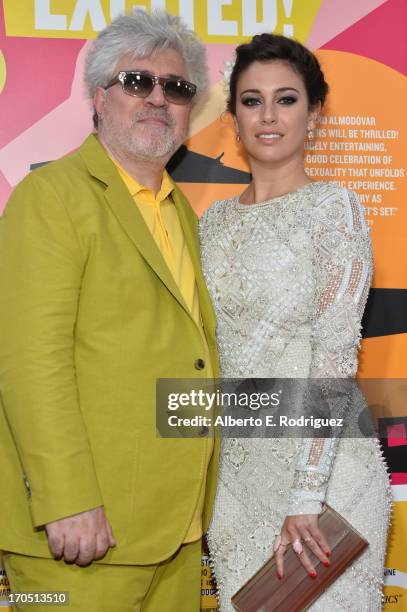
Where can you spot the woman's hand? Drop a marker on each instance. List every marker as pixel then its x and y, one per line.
pixel 301 531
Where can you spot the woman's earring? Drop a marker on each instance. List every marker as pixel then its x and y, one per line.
pixel 237 138
pixel 310 133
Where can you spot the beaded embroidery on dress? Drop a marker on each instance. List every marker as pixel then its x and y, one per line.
pixel 289 280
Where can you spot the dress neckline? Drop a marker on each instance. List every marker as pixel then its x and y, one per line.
pixel 241 206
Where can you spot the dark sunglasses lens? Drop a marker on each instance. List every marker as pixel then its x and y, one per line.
pixel 178 92
pixel 140 85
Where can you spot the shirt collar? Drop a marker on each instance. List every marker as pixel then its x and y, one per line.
pixel 136 188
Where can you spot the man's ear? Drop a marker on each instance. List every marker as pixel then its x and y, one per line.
pixel 99 101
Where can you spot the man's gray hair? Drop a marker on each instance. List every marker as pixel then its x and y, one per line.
pixel 138 34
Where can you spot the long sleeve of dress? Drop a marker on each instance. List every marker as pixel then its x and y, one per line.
pixel 343 270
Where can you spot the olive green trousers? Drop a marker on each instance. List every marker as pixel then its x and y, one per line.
pixel 173 585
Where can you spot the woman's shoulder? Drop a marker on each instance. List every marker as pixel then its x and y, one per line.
pixel 337 204
pixel 333 191
pixel 213 214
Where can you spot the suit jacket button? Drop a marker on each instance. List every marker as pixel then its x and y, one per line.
pixel 199 364
pixel 27 486
pixel 203 431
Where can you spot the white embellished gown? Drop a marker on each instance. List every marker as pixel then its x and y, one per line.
pixel 289 280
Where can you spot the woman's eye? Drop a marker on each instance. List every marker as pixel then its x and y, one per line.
pixel 287 100
pixel 251 101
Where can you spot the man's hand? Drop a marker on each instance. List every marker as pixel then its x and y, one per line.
pixel 81 538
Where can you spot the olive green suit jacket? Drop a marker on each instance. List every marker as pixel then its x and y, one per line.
pixel 90 317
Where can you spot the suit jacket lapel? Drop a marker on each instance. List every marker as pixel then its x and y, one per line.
pixel 128 215
pixel 189 224
pixel 130 218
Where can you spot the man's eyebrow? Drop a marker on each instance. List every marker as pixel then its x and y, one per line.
pixel 176 76
pixel 168 75
pixel 279 90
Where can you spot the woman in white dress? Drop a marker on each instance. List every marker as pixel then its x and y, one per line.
pixel 288 265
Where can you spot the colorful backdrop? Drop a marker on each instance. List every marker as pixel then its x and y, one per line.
pixel 362 46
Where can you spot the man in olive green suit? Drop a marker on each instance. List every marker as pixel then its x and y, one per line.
pixel 101 295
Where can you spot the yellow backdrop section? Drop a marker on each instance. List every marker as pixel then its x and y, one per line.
pixel 215 21
pixel 3 71
pixel 4 589
pixel 395 597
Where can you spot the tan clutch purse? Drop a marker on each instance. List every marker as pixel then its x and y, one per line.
pixel 264 592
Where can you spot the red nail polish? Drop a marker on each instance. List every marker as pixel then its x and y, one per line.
pixel 279 576
pixel 326 563
pixel 327 553
pixel 312 574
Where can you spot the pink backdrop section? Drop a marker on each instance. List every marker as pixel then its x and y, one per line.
pixel 334 16
pixel 39 77
pixel 378 35
pixel 217 56
pixel 69 119
pixel 55 134
pixel 5 191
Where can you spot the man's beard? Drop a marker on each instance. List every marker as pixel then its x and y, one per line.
pixel 142 140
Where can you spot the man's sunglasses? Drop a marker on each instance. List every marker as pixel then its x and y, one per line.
pixel 141 84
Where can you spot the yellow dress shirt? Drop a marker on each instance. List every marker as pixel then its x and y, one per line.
pixel 161 218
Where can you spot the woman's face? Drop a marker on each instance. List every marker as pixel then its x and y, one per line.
pixel 272 112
